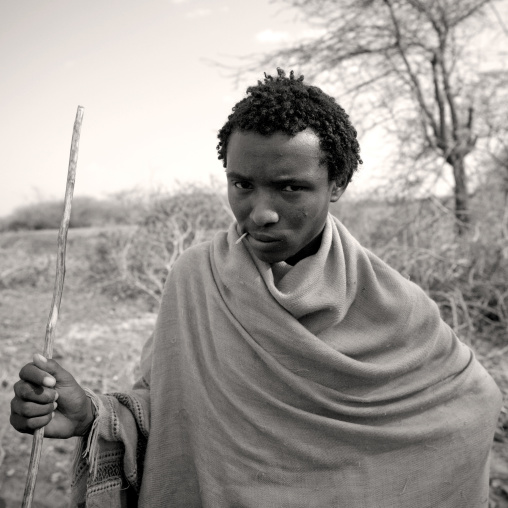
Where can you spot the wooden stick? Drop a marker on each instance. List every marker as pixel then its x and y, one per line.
pixel 57 297
pixel 241 238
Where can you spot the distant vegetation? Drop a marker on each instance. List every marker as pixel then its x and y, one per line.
pixel 86 212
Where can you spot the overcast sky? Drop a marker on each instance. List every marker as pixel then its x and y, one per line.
pixel 153 104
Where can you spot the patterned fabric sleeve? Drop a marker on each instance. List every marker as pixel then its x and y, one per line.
pixel 108 466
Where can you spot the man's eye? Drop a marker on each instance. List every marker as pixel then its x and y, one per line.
pixel 242 185
pixel 292 188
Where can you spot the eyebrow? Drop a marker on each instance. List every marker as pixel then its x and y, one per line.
pixel 281 180
pixel 234 174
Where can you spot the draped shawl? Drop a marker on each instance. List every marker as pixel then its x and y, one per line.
pixel 331 383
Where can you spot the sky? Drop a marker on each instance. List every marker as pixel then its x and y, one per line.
pixel 153 102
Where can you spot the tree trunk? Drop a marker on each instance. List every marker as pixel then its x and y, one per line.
pixel 461 196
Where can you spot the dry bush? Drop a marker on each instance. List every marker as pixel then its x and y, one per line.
pixel 137 261
pixel 21 266
pixel 24 270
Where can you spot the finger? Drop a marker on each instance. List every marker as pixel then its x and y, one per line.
pixel 55 371
pixel 33 374
pixel 34 393
pixel 30 409
pixel 28 426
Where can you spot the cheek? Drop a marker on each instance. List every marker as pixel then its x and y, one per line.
pixel 298 217
pixel 238 206
pixel 309 217
pixel 308 212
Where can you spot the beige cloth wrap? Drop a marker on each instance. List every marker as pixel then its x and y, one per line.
pixel 333 383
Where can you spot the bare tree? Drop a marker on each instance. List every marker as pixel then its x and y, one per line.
pixel 411 63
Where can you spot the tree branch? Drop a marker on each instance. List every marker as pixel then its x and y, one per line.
pixel 440 103
pixel 414 79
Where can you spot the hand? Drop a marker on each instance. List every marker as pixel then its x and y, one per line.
pixel 48 396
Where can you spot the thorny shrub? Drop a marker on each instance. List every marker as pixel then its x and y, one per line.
pixel 136 261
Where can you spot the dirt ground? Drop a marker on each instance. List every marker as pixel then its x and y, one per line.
pixel 99 339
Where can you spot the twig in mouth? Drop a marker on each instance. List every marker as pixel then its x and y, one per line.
pixel 241 238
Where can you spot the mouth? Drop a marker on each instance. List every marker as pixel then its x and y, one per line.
pixel 263 238
pixel 263 243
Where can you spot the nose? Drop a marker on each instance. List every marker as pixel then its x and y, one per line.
pixel 263 212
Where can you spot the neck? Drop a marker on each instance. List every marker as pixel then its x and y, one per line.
pixel 311 248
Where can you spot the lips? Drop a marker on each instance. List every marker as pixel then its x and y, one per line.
pixel 264 238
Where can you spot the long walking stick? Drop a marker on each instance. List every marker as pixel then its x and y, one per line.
pixel 57 297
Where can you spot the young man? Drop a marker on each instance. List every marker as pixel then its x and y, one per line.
pixel 289 366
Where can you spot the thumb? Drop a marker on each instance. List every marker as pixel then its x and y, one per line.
pixel 58 375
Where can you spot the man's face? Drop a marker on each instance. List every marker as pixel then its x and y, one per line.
pixel 278 191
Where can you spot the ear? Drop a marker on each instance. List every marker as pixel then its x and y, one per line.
pixel 336 192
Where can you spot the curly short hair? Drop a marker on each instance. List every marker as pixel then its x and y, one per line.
pixel 287 104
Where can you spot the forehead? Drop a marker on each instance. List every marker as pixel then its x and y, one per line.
pixel 304 143
pixel 251 150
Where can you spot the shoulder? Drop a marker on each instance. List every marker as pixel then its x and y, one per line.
pixel 194 256
pixel 191 269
